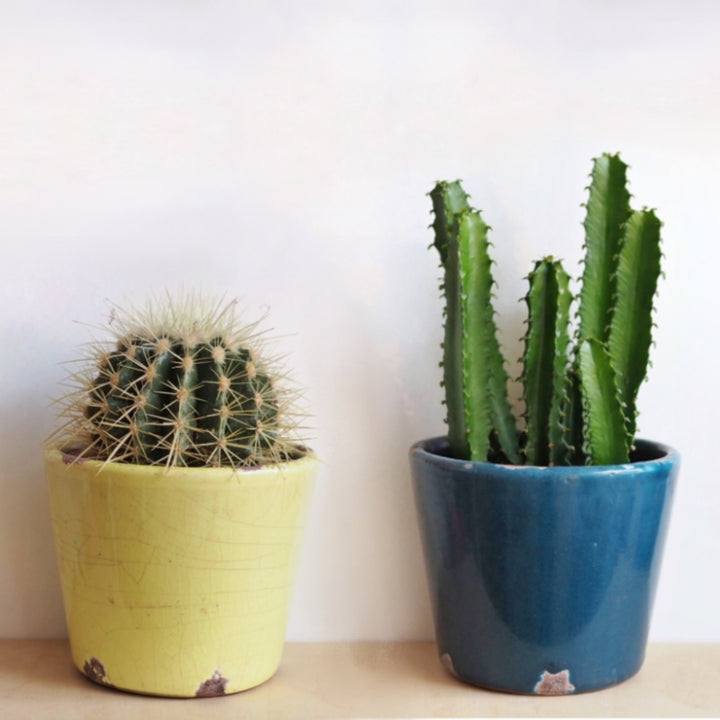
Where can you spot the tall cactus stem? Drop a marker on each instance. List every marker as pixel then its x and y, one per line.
pixel 638 270
pixel 487 408
pixel 476 289
pixel 448 200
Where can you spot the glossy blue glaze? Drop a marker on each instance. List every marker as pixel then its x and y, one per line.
pixel 542 579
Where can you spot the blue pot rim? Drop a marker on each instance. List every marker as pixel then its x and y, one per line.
pixel 649 457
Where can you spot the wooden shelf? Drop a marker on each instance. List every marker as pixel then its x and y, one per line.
pixel 357 680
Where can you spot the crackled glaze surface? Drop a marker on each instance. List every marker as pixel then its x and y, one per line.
pixel 177 582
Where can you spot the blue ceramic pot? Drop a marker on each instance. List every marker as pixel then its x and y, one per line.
pixel 542 579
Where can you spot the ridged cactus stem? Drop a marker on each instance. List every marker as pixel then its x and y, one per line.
pixel 638 270
pixel 606 441
pixel 449 199
pixel 573 430
pixel 545 361
pixel 505 438
pixel 608 209
pixel 476 289
pixel 478 410
pixel 487 409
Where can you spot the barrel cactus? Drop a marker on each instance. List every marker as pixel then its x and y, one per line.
pixel 579 397
pixel 181 383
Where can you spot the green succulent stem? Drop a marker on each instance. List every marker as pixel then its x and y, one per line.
pixel 449 199
pixel 476 295
pixel 545 361
pixel 487 409
pixel 630 338
pixel 608 209
pixel 606 441
pixel 478 410
pixel 572 441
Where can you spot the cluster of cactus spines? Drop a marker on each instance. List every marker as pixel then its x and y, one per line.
pixel 580 403
pixel 183 384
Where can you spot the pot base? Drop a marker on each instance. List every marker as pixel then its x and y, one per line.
pixel 548 684
pixel 215 686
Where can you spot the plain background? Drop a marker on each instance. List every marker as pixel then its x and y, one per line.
pixel 282 152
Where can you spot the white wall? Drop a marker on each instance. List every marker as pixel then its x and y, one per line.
pixel 281 151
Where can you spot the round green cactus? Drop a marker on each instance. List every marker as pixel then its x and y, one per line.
pixel 182 384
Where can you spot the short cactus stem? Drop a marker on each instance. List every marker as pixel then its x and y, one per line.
pixel 606 441
pixel 545 361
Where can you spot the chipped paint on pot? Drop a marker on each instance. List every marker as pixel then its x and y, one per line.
pixel 213 687
pixel 554 684
pixel 447 663
pixel 177 582
pixel 94 670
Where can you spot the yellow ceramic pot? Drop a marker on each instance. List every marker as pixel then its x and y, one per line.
pixel 177 582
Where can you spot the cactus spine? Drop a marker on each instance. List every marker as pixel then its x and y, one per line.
pixel 186 385
pixel 580 404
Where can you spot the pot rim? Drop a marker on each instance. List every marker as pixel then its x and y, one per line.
pixel 434 450
pixel 56 453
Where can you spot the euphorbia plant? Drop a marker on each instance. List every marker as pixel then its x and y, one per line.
pixel 580 396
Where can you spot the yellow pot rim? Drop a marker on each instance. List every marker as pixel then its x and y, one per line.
pixel 144 473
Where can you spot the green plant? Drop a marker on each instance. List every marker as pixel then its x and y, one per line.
pixel 579 402
pixel 180 383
